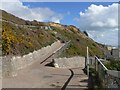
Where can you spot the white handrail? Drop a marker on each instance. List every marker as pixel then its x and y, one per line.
pixel 101 63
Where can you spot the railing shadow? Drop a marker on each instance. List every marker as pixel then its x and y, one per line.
pixel 66 83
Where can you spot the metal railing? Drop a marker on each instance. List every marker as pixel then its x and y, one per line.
pixel 59 51
pixel 108 78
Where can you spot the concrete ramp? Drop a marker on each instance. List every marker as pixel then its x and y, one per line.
pixel 74 62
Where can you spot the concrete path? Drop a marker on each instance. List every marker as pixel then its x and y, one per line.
pixel 79 79
pixel 38 75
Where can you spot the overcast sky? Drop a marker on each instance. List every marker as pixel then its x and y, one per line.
pixel 100 20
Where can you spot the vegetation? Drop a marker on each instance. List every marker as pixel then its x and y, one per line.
pixel 95 82
pixel 20 41
pixel 79 42
pixel 17 40
pixel 113 64
pixel 85 33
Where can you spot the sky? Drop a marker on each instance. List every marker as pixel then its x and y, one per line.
pixel 99 19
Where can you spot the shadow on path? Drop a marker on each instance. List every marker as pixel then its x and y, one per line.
pixel 66 83
pixel 47 58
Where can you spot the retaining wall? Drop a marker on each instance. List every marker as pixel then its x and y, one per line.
pixel 11 64
pixel 73 62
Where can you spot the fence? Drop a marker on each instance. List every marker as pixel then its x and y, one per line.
pixel 108 78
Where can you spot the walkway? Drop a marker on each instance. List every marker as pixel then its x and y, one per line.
pixel 38 75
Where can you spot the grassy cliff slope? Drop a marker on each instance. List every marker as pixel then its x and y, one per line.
pixel 20 37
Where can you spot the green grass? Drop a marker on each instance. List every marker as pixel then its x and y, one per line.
pixel 20 41
pixel 78 44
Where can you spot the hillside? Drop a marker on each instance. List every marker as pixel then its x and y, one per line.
pixel 20 40
pixel 20 37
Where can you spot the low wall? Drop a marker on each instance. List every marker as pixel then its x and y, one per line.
pixel 11 64
pixel 74 62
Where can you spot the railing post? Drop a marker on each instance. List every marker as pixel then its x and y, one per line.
pixel 87 62
pixel 102 72
pixel 96 67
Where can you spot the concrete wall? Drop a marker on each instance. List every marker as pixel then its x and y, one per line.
pixel 10 64
pixel 73 62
